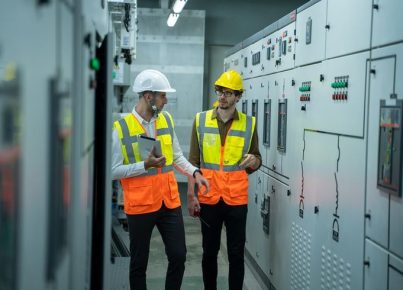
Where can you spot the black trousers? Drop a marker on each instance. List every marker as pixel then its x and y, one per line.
pixel 234 218
pixel 169 223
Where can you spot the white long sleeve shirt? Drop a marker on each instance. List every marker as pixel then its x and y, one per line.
pixel 120 170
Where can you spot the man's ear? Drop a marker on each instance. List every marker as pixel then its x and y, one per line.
pixel 147 96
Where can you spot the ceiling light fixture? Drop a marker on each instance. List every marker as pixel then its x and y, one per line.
pixel 172 18
pixel 178 6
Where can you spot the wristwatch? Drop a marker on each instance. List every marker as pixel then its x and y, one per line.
pixel 197 170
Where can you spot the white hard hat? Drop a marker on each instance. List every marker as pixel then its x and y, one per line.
pixel 152 80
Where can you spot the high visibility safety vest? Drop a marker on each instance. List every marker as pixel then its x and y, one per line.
pixel 145 193
pixel 220 164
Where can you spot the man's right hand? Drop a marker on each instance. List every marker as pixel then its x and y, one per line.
pixel 154 161
pixel 193 205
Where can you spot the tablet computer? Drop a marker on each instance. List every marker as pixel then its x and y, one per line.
pixel 146 145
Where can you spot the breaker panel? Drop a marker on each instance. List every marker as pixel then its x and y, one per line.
pixel 233 60
pixel 282 125
pixel 265 213
pixel 387 25
pixel 284 54
pixel 253 66
pixel 123 18
pixel 310 36
pixel 390 145
pixel 270 56
pixel 266 122
pixel 347 30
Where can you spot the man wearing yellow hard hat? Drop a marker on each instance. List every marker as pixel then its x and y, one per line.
pixel 224 145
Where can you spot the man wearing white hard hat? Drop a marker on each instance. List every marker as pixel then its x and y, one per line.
pixel 151 196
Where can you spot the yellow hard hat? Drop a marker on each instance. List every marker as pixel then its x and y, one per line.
pixel 230 79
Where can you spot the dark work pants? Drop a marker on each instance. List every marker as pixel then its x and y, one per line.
pixel 234 218
pixel 169 223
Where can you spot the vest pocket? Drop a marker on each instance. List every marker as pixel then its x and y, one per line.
pixel 138 191
pixel 235 152
pixel 238 183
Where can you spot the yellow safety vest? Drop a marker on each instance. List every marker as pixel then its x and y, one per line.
pixel 220 164
pixel 145 193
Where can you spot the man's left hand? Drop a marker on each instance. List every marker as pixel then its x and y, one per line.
pixel 249 161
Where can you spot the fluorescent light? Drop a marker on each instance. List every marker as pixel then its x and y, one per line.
pixel 178 5
pixel 172 18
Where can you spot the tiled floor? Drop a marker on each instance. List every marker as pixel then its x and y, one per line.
pixel 157 265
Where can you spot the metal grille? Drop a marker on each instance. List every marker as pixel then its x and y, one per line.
pixel 300 258
pixel 335 272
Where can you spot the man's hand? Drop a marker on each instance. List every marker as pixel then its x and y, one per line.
pixel 193 205
pixel 154 161
pixel 201 181
pixel 249 160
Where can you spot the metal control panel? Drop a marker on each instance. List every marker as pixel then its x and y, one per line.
pixel 329 123
pixel 310 36
pixel 348 27
pixel 387 25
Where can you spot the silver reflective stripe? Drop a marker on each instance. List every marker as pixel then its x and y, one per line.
pixel 167 168
pixel 170 126
pixel 164 131
pixel 202 124
pixel 208 130
pixel 248 135
pixel 210 166
pixel 151 171
pixel 237 133
pixel 127 141
pixel 154 171
pixel 232 168
pixel 217 167
pixel 227 168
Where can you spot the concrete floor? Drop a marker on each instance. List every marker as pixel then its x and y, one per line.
pixel 157 265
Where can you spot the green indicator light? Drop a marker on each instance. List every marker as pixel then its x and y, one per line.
pixel 95 64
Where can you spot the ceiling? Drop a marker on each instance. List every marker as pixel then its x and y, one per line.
pixel 228 22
